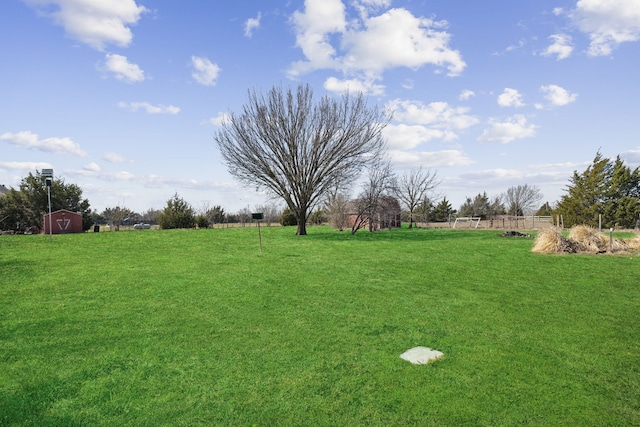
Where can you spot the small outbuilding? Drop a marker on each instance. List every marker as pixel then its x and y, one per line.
pixel 63 222
pixel 388 215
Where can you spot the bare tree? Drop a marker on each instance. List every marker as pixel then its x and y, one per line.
pixel 337 205
pixel 117 215
pixel 244 215
pixel 298 149
pixel 522 199
pixel 271 211
pixel 413 187
pixel 368 204
pixel 150 215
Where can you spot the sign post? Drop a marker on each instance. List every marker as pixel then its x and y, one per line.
pixel 611 239
pixel 258 216
pixel 48 175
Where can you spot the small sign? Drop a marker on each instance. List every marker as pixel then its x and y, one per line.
pixel 258 215
pixel 47 173
pixel 63 223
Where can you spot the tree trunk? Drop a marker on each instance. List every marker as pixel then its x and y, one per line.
pixel 302 228
pixel 302 222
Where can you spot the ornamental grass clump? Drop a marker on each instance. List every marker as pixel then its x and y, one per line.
pixel 551 241
pixel 589 239
pixel 547 241
pixel 582 239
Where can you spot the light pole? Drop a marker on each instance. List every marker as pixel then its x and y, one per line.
pixel 48 175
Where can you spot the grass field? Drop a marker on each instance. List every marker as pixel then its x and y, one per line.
pixel 152 328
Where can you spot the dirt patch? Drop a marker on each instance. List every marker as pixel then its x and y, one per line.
pixel 514 234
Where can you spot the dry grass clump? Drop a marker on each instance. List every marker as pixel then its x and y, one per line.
pixel 547 241
pixel 632 244
pixel 582 239
pixel 589 239
pixel 551 241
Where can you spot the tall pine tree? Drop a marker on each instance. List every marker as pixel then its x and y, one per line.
pixel 605 188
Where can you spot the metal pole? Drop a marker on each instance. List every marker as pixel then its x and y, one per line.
pixel 611 239
pixel 260 237
pixel 49 199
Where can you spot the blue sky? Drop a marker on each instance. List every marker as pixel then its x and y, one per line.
pixel 122 97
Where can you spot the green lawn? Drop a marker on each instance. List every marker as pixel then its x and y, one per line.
pixel 151 328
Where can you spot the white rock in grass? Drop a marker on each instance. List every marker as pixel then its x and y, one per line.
pixel 421 355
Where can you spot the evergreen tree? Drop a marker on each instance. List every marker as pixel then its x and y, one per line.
pixel 177 214
pixel 216 215
pixel 545 210
pixel 423 212
pixel 288 218
pixel 605 188
pixel 496 207
pixel 443 210
pixel 478 207
pixel 621 206
pixel 25 208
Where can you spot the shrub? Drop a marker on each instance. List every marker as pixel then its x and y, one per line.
pixel 202 221
pixel 177 214
pixel 288 218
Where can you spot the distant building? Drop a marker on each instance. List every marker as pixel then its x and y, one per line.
pixel 388 215
pixel 63 222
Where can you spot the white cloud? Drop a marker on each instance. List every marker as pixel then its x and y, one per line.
pixel 93 22
pixel 219 119
pixel 369 45
pixel 112 157
pixel 519 45
pixel 504 132
pixel 158 181
pixel 498 174
pixel 122 176
pixel 122 68
pixel 335 85
pixel 313 27
pixel 365 7
pixel 205 72
pixel 25 166
pixel 406 137
pixel 408 84
pixel 510 98
pixel 632 156
pixel 557 11
pixel 608 23
pixel 436 114
pixel 149 108
pixel 94 171
pixel 430 159
pixel 466 95
pixel 398 39
pixel 561 47
pixel 422 123
pixel 252 24
pixel 29 139
pixel 92 167
pixel 557 95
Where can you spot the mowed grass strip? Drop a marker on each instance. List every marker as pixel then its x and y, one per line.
pixel 198 328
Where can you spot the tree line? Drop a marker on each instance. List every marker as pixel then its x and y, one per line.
pixel 311 154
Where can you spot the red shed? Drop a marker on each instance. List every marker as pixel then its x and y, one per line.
pixel 63 222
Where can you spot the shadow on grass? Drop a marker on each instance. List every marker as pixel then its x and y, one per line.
pixel 398 234
pixel 31 405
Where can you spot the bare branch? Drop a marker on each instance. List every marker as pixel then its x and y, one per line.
pixel 299 150
pixel 414 187
pixel 522 199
